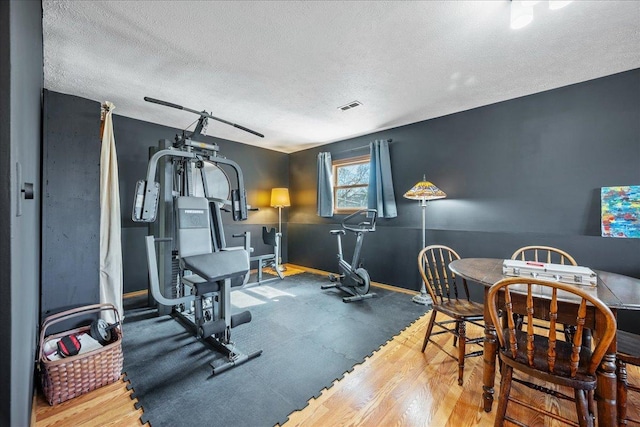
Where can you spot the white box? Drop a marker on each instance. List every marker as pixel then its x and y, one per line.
pixel 571 274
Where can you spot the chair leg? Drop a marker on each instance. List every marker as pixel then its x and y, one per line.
pixel 432 319
pixel 455 337
pixel 569 332
pixel 591 400
pixel 462 333
pixel 586 338
pixel 621 373
pixel 503 399
pixel 518 320
pixel 585 418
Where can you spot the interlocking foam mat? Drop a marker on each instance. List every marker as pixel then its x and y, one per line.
pixel 309 338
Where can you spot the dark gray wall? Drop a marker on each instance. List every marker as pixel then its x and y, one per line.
pixel 71 216
pixel 262 169
pixel 71 203
pixel 520 172
pixel 21 82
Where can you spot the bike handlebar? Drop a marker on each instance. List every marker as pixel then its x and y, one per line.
pixel 364 226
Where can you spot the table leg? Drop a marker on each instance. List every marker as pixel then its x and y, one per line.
pixel 606 391
pixel 621 397
pixel 607 384
pixel 489 355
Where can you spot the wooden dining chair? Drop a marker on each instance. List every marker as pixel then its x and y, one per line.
pixel 549 255
pixel 628 353
pixel 450 297
pixel 540 355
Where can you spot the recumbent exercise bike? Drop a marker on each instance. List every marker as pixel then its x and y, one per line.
pixel 353 278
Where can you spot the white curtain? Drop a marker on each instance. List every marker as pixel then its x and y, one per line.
pixel 110 241
pixel 325 185
pixel 381 195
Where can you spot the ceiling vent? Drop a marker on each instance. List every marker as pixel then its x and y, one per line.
pixel 349 106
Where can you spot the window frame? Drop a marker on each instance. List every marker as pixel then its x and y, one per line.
pixel 335 165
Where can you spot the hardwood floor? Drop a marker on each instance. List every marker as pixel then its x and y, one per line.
pixel 400 386
pixel 397 386
pixel 110 405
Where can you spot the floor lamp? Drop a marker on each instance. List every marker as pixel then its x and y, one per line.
pixel 280 199
pixel 424 191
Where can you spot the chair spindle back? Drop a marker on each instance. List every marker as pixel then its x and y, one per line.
pixel 519 286
pixel 441 283
pixel 547 254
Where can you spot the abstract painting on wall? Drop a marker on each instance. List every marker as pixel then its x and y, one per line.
pixel 621 211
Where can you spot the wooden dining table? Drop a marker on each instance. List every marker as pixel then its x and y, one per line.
pixel 617 291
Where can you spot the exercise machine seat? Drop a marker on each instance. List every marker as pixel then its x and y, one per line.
pixel 196 249
pixel 218 265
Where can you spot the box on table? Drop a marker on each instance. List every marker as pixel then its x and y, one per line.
pixel 571 274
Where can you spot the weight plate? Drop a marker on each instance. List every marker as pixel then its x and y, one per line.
pixel 99 331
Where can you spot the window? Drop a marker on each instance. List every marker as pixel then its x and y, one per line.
pixel 350 184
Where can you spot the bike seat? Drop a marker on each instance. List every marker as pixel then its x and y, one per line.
pixel 334 232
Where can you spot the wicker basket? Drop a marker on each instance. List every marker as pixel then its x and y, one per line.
pixel 73 376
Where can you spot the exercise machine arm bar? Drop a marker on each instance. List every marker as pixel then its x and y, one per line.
pixel 202 114
pixel 153 163
pixel 153 276
pixel 145 204
pixel 147 192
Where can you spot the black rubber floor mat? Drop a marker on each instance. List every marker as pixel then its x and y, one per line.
pixel 309 338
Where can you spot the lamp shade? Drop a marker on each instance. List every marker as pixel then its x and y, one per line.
pixel 280 197
pixel 425 190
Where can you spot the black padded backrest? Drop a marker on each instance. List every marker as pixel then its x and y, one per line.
pixel 193 226
pixel 269 237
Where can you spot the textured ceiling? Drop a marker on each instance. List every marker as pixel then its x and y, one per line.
pixel 282 68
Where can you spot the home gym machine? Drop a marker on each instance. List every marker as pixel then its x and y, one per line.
pixel 353 278
pixel 195 266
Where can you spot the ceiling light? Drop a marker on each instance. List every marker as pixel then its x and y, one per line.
pixel 521 15
pixel 558 4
